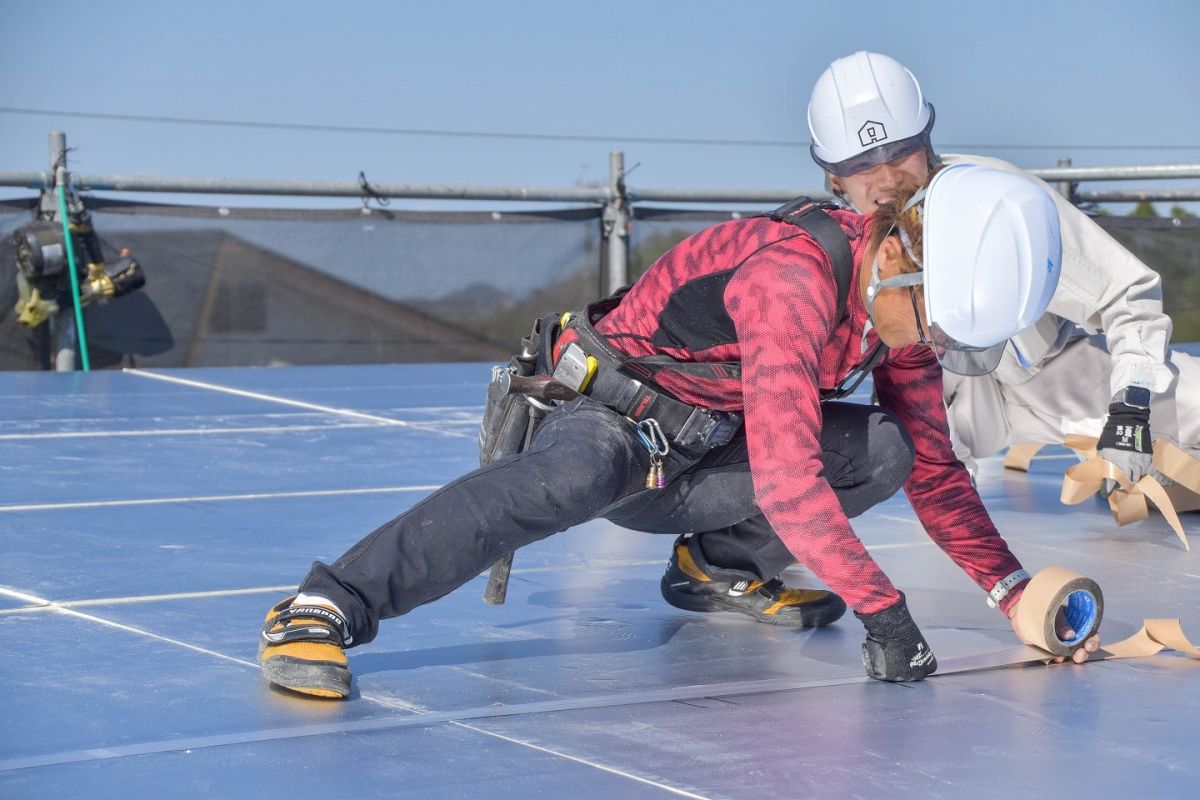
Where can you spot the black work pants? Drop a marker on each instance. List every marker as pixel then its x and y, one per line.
pixel 585 462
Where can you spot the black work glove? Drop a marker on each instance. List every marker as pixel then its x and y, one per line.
pixel 1125 441
pixel 895 650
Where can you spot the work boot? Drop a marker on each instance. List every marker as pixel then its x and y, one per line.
pixel 691 583
pixel 302 649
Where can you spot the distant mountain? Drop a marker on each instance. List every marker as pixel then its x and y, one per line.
pixel 479 300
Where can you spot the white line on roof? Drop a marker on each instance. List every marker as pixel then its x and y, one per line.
pixel 52 606
pixel 158 376
pixel 229 431
pixel 216 498
pixel 10 437
pixel 583 761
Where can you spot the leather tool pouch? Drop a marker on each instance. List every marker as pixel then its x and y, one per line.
pixel 509 420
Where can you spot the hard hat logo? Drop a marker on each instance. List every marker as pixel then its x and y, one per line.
pixel 872 133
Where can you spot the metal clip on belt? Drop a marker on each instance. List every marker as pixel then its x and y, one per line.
pixel 708 429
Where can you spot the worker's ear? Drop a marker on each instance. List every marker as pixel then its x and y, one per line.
pixel 891 255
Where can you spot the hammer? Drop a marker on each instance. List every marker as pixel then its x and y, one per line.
pixel 539 387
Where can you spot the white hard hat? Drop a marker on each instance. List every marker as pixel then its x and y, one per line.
pixel 866 109
pixel 992 253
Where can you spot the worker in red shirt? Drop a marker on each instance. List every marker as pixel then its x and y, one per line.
pixel 707 402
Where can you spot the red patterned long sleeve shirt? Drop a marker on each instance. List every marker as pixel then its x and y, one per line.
pixel 762 293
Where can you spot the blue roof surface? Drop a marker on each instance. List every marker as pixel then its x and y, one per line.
pixel 149 520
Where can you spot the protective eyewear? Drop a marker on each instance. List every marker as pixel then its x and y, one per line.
pixel 892 151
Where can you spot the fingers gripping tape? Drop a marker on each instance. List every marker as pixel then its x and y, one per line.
pixel 308 623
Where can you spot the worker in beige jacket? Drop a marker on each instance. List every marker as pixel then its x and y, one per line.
pixel 1098 363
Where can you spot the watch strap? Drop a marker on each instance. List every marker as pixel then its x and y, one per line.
pixel 1005 585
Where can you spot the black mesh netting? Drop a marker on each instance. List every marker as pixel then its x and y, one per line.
pixel 1172 248
pixel 229 286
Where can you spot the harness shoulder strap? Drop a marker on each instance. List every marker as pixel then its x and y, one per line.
pixel 809 215
pixel 803 212
pixel 645 367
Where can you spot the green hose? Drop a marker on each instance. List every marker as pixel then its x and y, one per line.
pixel 66 223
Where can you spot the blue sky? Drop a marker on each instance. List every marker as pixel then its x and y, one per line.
pixel 1099 82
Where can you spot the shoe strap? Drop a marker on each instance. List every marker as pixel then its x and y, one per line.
pixel 320 624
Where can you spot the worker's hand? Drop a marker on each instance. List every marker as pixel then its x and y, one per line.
pixel 895 650
pixel 1065 633
pixel 1125 442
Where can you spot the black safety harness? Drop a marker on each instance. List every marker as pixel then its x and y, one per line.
pixel 625 383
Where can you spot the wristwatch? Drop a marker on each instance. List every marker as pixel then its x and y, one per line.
pixel 1005 585
pixel 1135 396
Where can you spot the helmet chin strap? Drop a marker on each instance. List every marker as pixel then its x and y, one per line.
pixel 841 196
pixel 918 197
pixel 870 326
pixel 908 279
pixel 872 289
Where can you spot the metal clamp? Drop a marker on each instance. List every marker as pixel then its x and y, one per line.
pixel 708 429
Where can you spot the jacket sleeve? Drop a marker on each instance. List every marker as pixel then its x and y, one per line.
pixel 1104 287
pixel 909 384
pixel 782 302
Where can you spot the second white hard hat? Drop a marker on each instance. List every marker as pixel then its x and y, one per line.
pixel 992 254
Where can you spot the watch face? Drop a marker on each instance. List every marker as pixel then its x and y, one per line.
pixel 1137 396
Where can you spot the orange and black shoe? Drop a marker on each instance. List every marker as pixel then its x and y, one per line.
pixel 692 584
pixel 303 649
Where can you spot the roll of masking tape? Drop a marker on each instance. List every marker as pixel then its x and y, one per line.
pixel 1051 589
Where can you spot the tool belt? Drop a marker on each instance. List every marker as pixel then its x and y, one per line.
pixel 587 364
pixel 510 418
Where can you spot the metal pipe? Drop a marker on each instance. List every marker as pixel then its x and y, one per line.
pixel 58 148
pixel 131 183
pixel 723 195
pixel 1065 187
pixel 616 226
pixel 1138 195
pixel 1149 172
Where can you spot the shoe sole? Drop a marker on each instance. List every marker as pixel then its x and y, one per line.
pixel 816 615
pixel 315 678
